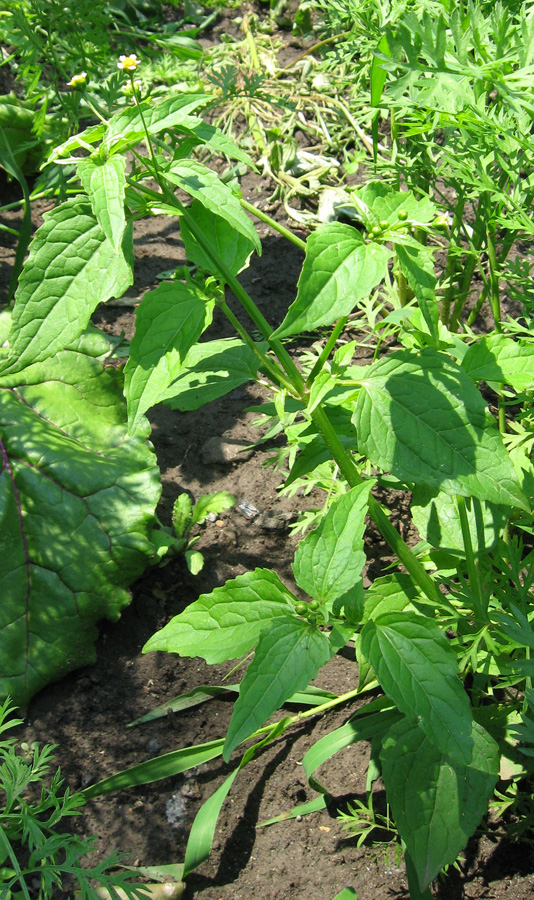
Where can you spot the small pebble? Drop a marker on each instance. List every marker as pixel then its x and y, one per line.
pixel 298 818
pixel 153 745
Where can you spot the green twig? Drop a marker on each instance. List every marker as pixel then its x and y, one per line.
pixel 281 229
pixel 327 349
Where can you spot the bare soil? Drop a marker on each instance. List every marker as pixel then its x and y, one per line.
pixel 87 714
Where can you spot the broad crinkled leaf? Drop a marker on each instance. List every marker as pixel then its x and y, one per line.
pixel 233 248
pixel 421 417
pixel 340 269
pixel 499 358
pixel 205 186
pixel 210 370
pixel 289 654
pixel 436 517
pixel 436 802
pixel 72 268
pixel 417 668
pixel 329 561
pixel 227 623
pixel 169 321
pixel 77 395
pixel 105 183
pixel 76 511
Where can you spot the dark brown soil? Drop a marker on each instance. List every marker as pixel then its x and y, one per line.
pixel 87 714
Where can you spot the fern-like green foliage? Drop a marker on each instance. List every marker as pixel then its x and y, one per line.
pixel 33 845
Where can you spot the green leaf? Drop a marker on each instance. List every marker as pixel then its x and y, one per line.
pixel 211 370
pixel 304 809
pixel 436 802
pixel 212 503
pixel 364 726
pixel 169 321
pixel 227 623
pixel 152 770
pixel 84 139
pixel 391 593
pixel 75 393
pixel 289 654
pixel 329 561
pixel 76 506
pixel 72 268
pixel 104 183
pixel 417 266
pixel 436 517
pixel 205 186
pixel 126 128
pixel 500 359
pixel 201 835
pixel 233 248
pixel 311 696
pixel 420 417
pixel 417 668
pixel 339 270
pixel 216 139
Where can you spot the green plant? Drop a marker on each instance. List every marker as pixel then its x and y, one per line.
pixel 32 848
pixel 185 516
pixel 447 638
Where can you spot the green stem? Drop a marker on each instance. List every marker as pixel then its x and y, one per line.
pixel 327 349
pixel 479 233
pixel 285 232
pixel 450 267
pixel 14 862
pixel 276 374
pixel 329 40
pixel 377 514
pixel 253 50
pixel 472 568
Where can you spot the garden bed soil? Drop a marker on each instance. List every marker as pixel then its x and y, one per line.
pixel 87 715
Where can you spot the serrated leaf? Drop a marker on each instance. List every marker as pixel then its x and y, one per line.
pixel 391 593
pixel 227 623
pixel 126 128
pixel 436 802
pixel 289 654
pixel 501 359
pixel 217 140
pixel 105 183
pixel 233 248
pixel 329 561
pixel 72 268
pixel 436 517
pixel 76 512
pixel 417 266
pixel 417 668
pixel 83 139
pixel 205 186
pixel 169 321
pixel 339 270
pixel 384 203
pixel 211 370
pixel 420 417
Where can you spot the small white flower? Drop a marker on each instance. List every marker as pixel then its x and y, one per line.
pixel 77 80
pixel 128 63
